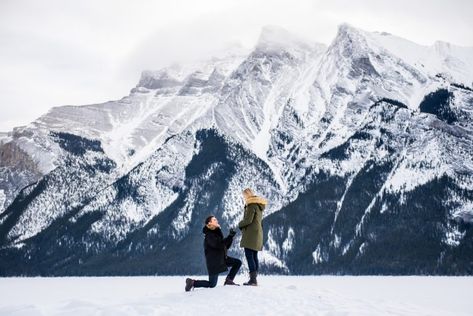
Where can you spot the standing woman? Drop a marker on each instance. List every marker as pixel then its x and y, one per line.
pixel 252 231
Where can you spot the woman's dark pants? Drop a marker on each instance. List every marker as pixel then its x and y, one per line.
pixel 252 259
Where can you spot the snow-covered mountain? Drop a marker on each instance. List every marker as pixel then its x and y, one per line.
pixel 363 148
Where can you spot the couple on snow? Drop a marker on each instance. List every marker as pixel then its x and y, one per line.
pixel 215 246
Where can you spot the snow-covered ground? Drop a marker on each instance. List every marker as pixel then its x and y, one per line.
pixel 276 295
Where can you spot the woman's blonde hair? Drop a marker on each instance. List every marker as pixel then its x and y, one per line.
pixel 248 192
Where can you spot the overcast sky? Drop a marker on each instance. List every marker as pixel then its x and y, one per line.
pixel 60 52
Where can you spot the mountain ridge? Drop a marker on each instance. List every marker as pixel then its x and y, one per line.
pixel 341 139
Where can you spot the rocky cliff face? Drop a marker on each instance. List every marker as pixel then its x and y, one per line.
pixel 363 149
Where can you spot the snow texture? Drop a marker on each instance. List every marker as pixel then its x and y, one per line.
pixel 276 295
pixel 2 198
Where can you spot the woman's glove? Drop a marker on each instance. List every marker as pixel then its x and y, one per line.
pixel 232 232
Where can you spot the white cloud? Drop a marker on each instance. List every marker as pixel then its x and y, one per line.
pixel 81 52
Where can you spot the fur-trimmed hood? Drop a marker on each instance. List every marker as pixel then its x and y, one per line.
pixel 256 199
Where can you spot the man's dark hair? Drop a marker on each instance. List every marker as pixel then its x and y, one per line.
pixel 208 219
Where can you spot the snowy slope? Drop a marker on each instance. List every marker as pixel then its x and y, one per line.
pixel 163 104
pixel 276 295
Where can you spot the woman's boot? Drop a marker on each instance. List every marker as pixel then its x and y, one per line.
pixel 252 280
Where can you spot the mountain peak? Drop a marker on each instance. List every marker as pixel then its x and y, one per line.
pixel 157 79
pixel 349 41
pixel 276 38
pixel 346 29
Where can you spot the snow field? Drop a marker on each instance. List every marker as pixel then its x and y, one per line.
pixel 276 295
